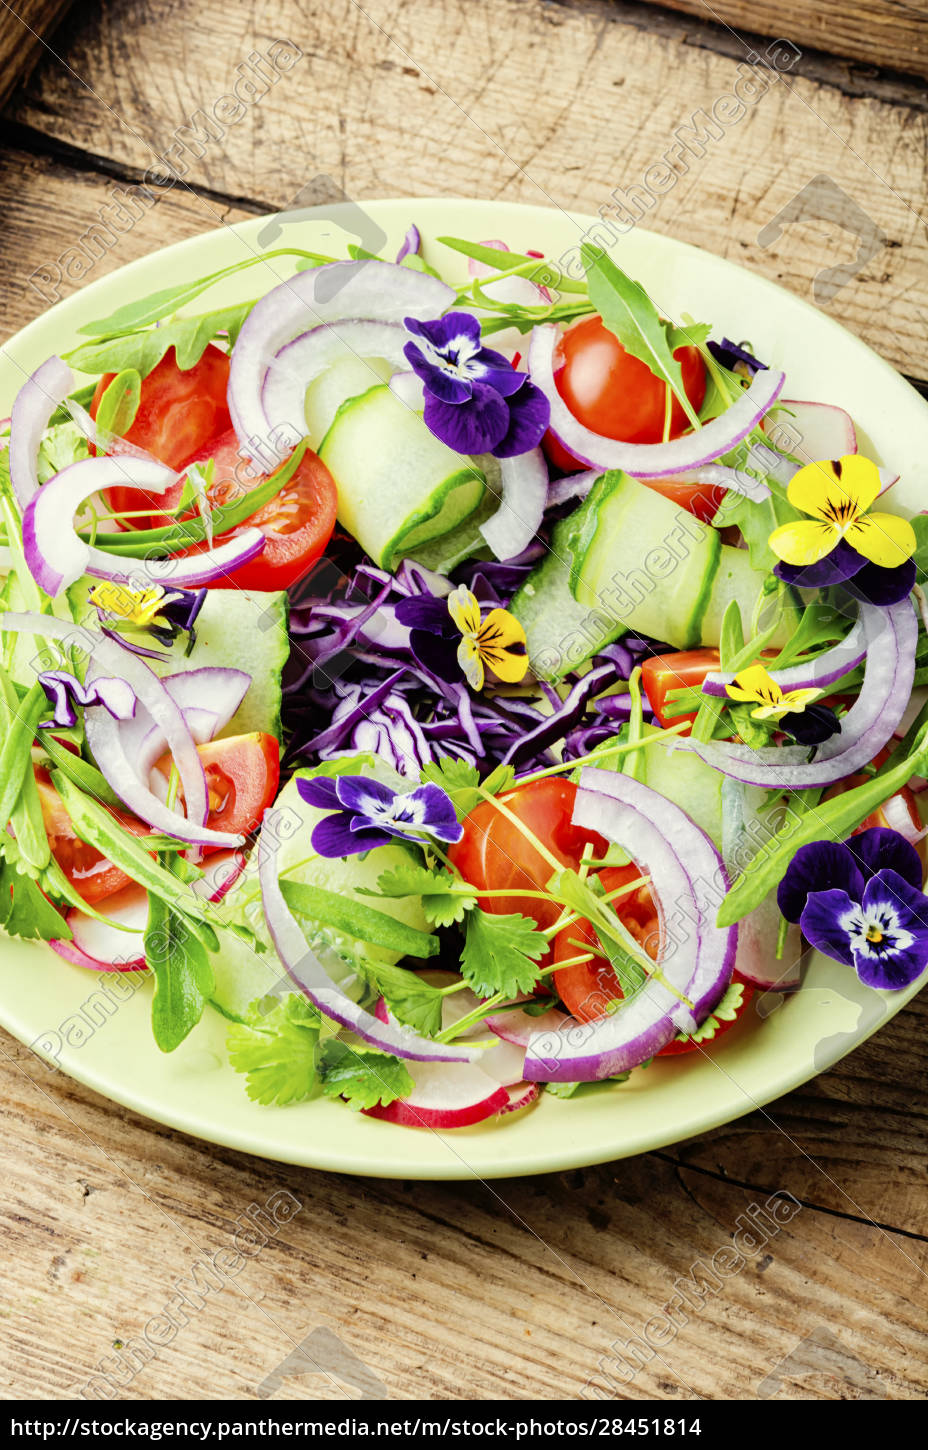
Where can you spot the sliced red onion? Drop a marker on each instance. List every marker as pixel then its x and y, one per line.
pixel 524 484
pixel 339 291
pixel 35 403
pixel 105 442
pixel 300 362
pixel 820 672
pixel 517 1027
pixel 718 475
pixel 220 874
pixel 306 966
pixel 107 745
pixel 649 460
pixel 120 947
pixel 57 556
pixel 454 1095
pixel 824 430
pixel 688 880
pixel 896 814
pixel 222 690
pixel 891 636
pixel 575 485
pixel 520 290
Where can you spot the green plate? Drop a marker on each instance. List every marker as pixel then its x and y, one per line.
pixel 96 1027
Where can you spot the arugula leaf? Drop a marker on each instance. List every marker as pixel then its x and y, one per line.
pixel 184 979
pixel 15 756
pixel 732 634
pixel 411 999
pixel 546 273
pixel 460 781
pixel 750 731
pixel 691 334
pixel 628 312
pixel 277 1051
pixel 442 903
pixel 757 522
pixel 142 351
pixel 329 908
pixel 81 772
pixel 364 1078
pixel 25 912
pixel 500 953
pixel 120 403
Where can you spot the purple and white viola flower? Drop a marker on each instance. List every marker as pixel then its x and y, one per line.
pixel 65 691
pixel 475 400
pixel 367 813
pixel 861 902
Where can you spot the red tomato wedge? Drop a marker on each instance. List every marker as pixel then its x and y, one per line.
pixel 91 874
pixel 180 411
pixel 615 394
pixel 297 523
pixel 660 674
pixel 242 775
pixel 587 988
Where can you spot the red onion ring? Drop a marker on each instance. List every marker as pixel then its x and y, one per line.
pixel 649 460
pixel 688 873
pixel 524 484
pixel 35 403
pixel 827 667
pixel 300 362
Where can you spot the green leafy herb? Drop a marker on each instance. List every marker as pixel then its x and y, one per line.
pixel 24 911
pixel 142 351
pixel 500 953
pixel 332 909
pixel 541 271
pixel 184 979
pixel 364 1078
pixel 731 642
pixel 628 312
pixel 411 999
pixel 276 1049
pixel 757 522
pixel 445 898
pixel 120 403
pixel 15 755
pixel 461 782
pixel 571 1089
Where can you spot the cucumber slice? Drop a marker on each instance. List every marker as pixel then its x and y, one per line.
pixel 398 485
pixel 642 560
pixel 348 378
pixel 736 579
pixel 681 776
pixel 560 633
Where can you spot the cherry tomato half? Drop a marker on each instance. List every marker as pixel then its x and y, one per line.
pixel 660 674
pixel 180 411
pixel 615 394
pixel 90 873
pixel 242 774
pixel 587 988
pixel 297 523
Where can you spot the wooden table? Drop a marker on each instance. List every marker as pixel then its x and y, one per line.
pixel 518 1288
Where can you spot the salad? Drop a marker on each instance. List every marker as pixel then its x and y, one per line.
pixel 472 692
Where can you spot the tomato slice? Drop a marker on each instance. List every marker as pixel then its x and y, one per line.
pixel 587 988
pixel 90 873
pixel 242 775
pixel 615 394
pixel 180 411
pixel 660 674
pixel 297 523
pixel 494 855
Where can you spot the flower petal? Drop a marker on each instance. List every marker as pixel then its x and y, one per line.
pixel 438 815
pixel 439 382
pixel 799 699
pixel 835 490
pixel 816 867
pixel 882 586
pixel 424 611
pixel 319 792
pixel 333 837
pixel 464 610
pixel 529 416
pixel 437 653
pixel 502 645
pixel 880 849
pixel 755 684
pixel 804 542
pixel 835 568
pixel 883 539
pixel 475 426
pixel 362 795
pixel 826 923
pixel 907 909
pixel 497 371
pixel 811 726
pixel 440 331
pixel 470 662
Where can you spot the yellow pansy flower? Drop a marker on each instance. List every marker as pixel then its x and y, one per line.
pixel 836 495
pixel 496 642
pixel 135 606
pixel 755 686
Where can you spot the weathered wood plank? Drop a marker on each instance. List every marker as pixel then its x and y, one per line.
pixel 877 32
pixel 21 38
pixel 518 1289
pixel 562 105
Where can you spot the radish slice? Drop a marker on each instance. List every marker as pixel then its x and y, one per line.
pixel 892 636
pixel 106 945
pixel 446 1095
pixel 524 483
pixel 410 390
pixel 338 291
pixel 821 671
pixel 77 958
pixel 745 831
pixel 300 362
pixel 521 1095
pixel 649 460
pixel 824 430
pixel 35 403
pixel 220 874
pixel 307 968
pixel 681 860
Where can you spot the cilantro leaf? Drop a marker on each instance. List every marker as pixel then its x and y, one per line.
pixel 277 1051
pixel 25 912
pixel 500 953
pixel 411 999
pixel 460 781
pixel 364 1078
pixel 445 899
pixel 569 1089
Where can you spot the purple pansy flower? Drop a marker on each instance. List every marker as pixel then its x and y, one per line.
pixel 735 357
pixel 65 691
pixel 862 903
pixel 368 814
pixel 475 400
pixel 844 565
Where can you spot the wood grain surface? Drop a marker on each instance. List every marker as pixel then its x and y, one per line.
pixel 22 29
pixel 522 1288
